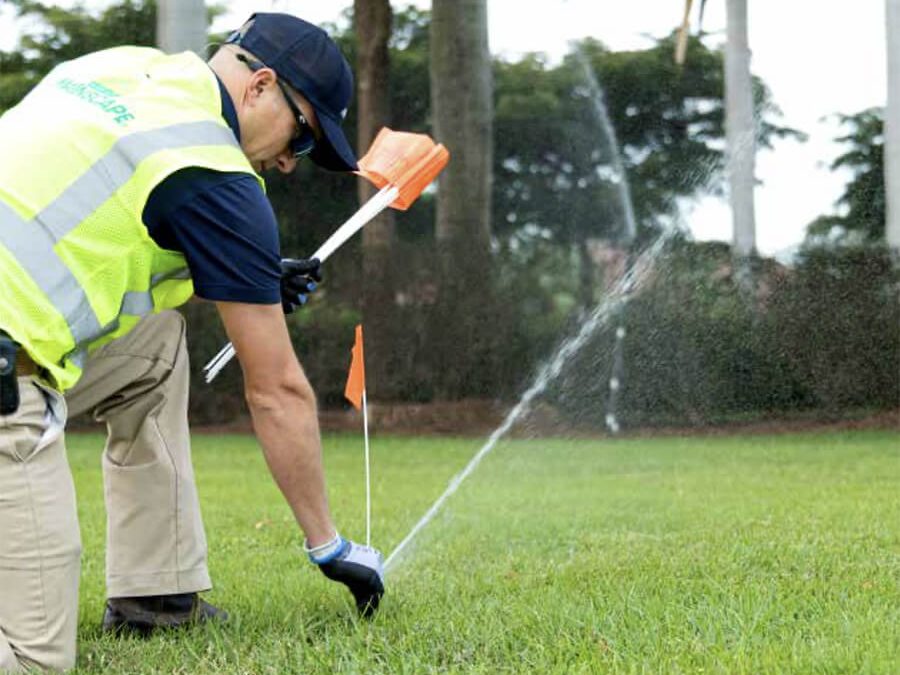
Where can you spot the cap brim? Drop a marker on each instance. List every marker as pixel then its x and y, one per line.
pixel 333 151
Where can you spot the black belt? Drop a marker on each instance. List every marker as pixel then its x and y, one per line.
pixel 9 386
pixel 24 364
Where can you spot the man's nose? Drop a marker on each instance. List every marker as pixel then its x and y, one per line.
pixel 286 161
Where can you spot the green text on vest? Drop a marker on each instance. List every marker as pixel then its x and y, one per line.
pixel 99 95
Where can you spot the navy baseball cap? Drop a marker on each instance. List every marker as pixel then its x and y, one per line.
pixel 305 57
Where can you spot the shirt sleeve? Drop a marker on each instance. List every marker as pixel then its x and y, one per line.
pixel 226 229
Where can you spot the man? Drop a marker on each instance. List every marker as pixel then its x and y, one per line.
pixel 126 173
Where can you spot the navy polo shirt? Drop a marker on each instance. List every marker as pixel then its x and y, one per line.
pixel 224 225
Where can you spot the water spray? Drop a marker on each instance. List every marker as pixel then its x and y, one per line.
pixel 636 270
pixel 617 373
pixel 599 317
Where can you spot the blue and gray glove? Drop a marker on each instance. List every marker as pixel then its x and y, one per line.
pixel 299 278
pixel 359 568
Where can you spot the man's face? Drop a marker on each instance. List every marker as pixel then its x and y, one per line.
pixel 270 128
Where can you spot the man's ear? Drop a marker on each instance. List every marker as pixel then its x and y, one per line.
pixel 259 83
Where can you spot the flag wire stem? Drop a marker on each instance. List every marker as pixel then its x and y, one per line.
pixel 365 408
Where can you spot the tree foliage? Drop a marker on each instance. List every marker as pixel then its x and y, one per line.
pixel 863 203
pixel 58 34
pixel 554 164
pixel 823 336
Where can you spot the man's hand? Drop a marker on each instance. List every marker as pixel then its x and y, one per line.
pixel 360 569
pixel 299 278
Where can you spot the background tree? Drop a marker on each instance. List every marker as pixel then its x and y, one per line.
pixel 372 21
pixel 740 123
pixel 892 125
pixel 61 34
pixel 181 25
pixel 700 352
pixel 863 201
pixel 554 174
pixel 461 101
pixel 740 127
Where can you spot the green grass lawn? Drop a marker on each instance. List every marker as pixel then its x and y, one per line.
pixel 743 554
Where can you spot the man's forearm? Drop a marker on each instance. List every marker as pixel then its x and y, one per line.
pixel 283 407
pixel 288 430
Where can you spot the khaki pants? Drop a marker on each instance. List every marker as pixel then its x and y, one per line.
pixel 138 386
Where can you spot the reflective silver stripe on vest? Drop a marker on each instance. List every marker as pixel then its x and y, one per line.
pixel 32 247
pixel 134 303
pixel 78 357
pixel 31 242
pixel 182 274
pixel 137 303
pixel 88 193
pixel 140 303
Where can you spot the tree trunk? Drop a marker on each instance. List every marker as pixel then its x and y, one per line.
pixel 892 127
pixel 461 91
pixel 181 26
pixel 740 129
pixel 462 109
pixel 372 21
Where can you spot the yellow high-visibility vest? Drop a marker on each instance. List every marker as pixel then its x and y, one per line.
pixel 80 156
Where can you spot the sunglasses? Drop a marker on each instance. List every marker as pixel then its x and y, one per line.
pixel 304 141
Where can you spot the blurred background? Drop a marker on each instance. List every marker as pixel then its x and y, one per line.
pixel 693 192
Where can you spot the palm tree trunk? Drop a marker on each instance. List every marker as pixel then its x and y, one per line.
pixel 892 127
pixel 462 109
pixel 372 22
pixel 461 91
pixel 740 129
pixel 181 26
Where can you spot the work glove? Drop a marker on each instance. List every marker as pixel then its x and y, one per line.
pixel 360 569
pixel 299 278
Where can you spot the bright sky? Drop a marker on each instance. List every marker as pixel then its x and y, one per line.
pixel 818 58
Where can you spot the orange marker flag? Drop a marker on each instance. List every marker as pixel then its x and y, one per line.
pixel 407 161
pixel 356 379
pixel 355 392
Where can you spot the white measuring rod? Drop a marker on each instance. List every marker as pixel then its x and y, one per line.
pixel 378 203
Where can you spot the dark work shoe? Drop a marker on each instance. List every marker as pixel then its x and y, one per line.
pixel 144 615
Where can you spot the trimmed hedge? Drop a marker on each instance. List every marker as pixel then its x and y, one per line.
pixel 818 338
